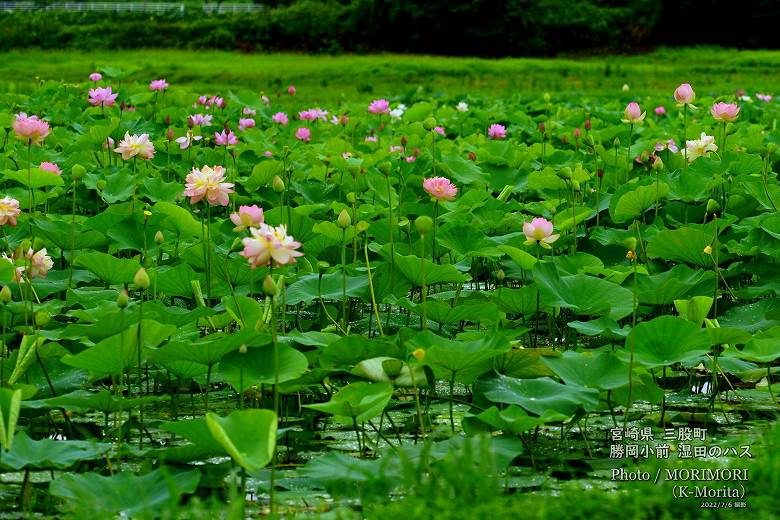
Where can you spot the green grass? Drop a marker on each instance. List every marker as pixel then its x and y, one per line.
pixel 329 78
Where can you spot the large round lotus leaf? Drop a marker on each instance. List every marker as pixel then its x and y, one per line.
pixel 764 347
pixel 602 370
pixel 667 340
pixel 125 494
pixel 539 396
pixel 256 366
pixel 357 402
pixel 249 436
pixel 583 294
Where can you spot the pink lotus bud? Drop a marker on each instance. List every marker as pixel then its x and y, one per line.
pixel 586 124
pixel 95 76
pixel 660 111
pixel 577 133
pixel 633 114
pixel 291 90
pixel 684 94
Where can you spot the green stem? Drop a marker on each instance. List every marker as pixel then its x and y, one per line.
pixel 628 151
pixel 344 279
pixel 423 288
pixel 139 346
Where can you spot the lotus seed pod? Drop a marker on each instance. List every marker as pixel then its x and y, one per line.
pixel 708 250
pixel 351 197
pixel 423 224
pixel 500 275
pixel 101 184
pixel 141 279
pixel 269 287
pixel 5 294
pixel 242 349
pixel 322 266
pixel 344 220
pixel 78 171
pixel 123 300
pixel 392 367
pixel 565 173
pixel 631 255
pixel 429 123
pixel 278 184
pixel 472 156
pixel 419 354
pixel 362 226
pixel 658 164
pixel 159 238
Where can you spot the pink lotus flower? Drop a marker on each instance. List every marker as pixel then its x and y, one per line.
pixel 158 85
pixel 439 130
pixel 187 140
pixel 497 131
pixel 202 100
pixel 440 188
pixel 249 111
pixel 539 231
pixel 346 155
pixel 660 111
pixel 50 167
pixel 207 183
pixel 684 94
pixel 266 99
pixel 225 138
pixel 766 98
pixel 102 97
pixel 371 139
pixel 95 76
pixel 291 90
pixel 281 118
pixel 30 129
pixel 199 120
pixel 700 147
pixel 633 114
pixel 303 134
pixel 135 146
pixel 9 210
pixel 379 106
pixel 313 114
pixel 268 153
pixel 40 263
pixel 396 149
pixel 243 124
pixel 670 145
pixel 725 112
pixel 268 243
pixel 411 158
pixel 247 216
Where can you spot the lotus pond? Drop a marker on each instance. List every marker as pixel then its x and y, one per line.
pixel 225 304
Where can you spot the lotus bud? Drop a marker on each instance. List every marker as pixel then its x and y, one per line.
pixel 344 220
pixel 404 140
pixel 419 354
pixel 599 173
pixel 78 171
pixel 587 124
pixel 472 156
pixel 541 127
pixel 42 319
pixel 242 349
pixel 269 287
pixel 141 279
pixel 424 224
pixel 123 300
pixel 5 294
pixel 565 139
pixel 500 275
pixel 159 238
pixel 169 134
pixel 658 164
pixel 168 120
pixel 616 142
pixel 576 133
pixel 278 184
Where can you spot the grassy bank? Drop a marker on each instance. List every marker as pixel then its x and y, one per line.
pixel 333 77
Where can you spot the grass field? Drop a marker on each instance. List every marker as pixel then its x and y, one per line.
pixel 333 77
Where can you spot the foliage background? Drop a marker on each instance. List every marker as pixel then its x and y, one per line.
pixel 472 27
